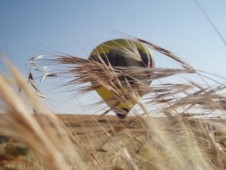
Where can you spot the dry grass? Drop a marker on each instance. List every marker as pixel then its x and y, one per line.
pixel 189 135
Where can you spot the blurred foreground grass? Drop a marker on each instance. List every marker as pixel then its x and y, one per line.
pixel 189 135
pixel 104 140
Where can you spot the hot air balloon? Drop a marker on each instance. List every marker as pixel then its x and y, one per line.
pixel 122 54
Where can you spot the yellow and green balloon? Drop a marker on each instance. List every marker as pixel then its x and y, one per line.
pixel 124 54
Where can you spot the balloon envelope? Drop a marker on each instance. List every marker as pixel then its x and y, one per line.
pixel 123 54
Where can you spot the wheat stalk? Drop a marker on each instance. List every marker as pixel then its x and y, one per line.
pixel 189 132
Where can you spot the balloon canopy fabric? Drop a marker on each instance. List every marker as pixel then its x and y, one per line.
pixel 122 54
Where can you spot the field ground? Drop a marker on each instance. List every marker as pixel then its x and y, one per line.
pixel 93 128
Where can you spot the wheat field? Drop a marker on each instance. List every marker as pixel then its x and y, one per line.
pixel 189 134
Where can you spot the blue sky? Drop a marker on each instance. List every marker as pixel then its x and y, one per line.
pixel 30 28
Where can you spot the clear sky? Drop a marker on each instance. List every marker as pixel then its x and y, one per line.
pixel 29 28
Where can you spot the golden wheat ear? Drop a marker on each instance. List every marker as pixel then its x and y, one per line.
pixel 81 76
pixel 72 72
pixel 35 132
